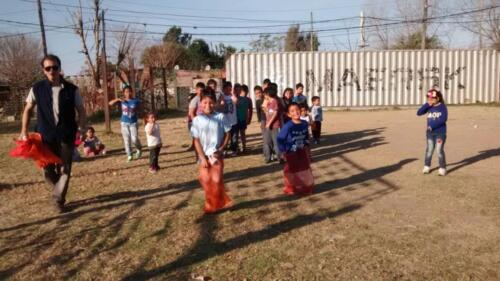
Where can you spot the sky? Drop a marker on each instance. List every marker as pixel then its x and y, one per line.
pixel 204 19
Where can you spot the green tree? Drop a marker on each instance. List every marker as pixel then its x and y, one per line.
pixel 266 43
pixel 413 41
pixel 197 55
pixel 174 34
pixel 296 41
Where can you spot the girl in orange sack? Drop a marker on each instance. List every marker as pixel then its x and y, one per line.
pixel 210 131
pixel 293 142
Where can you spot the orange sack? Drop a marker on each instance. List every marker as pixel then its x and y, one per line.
pixel 34 148
pixel 297 173
pixel 211 179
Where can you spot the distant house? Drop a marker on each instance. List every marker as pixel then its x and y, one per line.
pixel 9 107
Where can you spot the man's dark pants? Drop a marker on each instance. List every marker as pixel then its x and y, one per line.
pixel 57 175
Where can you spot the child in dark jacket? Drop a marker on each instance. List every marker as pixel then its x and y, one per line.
pixel 437 115
pixel 293 142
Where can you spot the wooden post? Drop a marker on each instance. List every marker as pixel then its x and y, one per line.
pixel 164 80
pixel 42 27
pixel 107 120
pixel 424 24
pixel 131 79
pixel 152 89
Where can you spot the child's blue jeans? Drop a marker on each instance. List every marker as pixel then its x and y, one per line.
pixel 435 141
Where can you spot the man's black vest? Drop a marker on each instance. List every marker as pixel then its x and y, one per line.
pixel 65 129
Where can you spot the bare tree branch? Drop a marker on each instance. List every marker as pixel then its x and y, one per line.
pixel 82 32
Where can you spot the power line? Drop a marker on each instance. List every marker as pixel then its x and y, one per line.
pixel 249 11
pixel 203 27
pixel 268 33
pixel 158 13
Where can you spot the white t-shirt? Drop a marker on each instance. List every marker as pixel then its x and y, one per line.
pixel 230 109
pixel 55 100
pixel 210 130
pixel 154 138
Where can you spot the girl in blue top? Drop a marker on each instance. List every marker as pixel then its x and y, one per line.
pixel 437 115
pixel 130 108
pixel 293 143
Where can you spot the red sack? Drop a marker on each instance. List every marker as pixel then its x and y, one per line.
pixel 212 181
pixel 34 148
pixel 297 173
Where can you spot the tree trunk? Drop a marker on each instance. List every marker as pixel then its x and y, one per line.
pixel 132 75
pixel 152 89
pixel 164 79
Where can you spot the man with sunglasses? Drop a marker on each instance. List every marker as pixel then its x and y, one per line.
pixel 56 101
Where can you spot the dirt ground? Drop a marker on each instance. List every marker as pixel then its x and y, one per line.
pixel 373 216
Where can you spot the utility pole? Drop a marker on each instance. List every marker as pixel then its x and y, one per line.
pixel 424 23
pixel 42 27
pixel 362 37
pixel 105 76
pixel 313 78
pixel 312 32
pixel 480 15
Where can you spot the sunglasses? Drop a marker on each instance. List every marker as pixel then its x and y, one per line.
pixel 52 67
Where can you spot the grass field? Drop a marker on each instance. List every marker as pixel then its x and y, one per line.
pixel 373 216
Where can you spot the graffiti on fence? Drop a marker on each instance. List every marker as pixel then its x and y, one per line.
pixel 385 79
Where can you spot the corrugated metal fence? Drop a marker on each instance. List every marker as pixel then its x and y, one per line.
pixel 375 78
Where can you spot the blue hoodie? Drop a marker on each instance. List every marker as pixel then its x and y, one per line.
pixel 293 137
pixel 437 116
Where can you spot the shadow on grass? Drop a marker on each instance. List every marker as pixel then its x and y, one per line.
pixel 482 155
pixel 345 143
pixel 121 151
pixel 119 228
pixel 208 246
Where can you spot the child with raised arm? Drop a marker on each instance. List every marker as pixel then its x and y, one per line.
pixel 437 115
pixel 130 107
pixel 293 142
pixel 210 131
pixel 153 137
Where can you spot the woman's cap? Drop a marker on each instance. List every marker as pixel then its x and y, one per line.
pixel 432 93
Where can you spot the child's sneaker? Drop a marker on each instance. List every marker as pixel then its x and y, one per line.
pixel 129 158
pixel 426 170
pixel 442 172
pixel 152 170
pixel 138 154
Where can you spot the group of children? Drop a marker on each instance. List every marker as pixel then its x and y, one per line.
pixel 273 114
pixel 218 121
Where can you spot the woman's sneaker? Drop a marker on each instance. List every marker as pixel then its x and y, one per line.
pixel 129 158
pixel 442 172
pixel 426 170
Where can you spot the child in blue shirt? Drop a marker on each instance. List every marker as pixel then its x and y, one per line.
pixel 130 108
pixel 437 115
pixel 210 131
pixel 293 143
